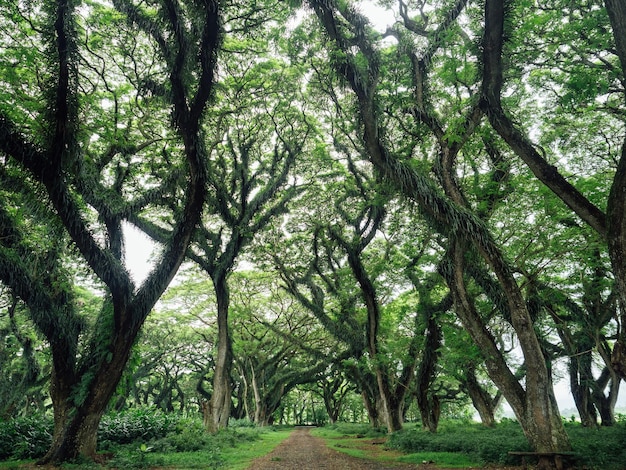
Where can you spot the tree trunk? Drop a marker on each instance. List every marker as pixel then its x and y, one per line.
pixel 580 376
pixel 427 402
pixel 535 407
pixel 616 216
pixel 371 406
pixel 605 404
pixel 616 204
pixel 259 409
pixel 484 404
pixel 76 426
pixel 392 404
pixel 430 411
pixel 221 397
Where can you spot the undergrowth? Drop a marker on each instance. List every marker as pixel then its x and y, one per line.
pixel 135 438
pixel 595 448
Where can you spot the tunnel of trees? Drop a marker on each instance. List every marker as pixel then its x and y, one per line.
pixel 396 218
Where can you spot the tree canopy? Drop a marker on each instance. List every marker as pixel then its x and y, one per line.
pixel 423 213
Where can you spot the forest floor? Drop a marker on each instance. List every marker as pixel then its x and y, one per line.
pixel 302 451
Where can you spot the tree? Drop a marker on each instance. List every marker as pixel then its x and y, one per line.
pixel 252 142
pixel 359 63
pixel 87 176
pixel 591 71
pixel 277 347
pixel 334 390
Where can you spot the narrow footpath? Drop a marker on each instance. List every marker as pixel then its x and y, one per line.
pixel 302 451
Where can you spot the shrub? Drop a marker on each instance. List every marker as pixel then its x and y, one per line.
pixel 7 432
pixel 188 436
pixel 25 437
pixel 360 429
pixel 135 425
pixel 484 444
pixel 241 423
pixel 599 448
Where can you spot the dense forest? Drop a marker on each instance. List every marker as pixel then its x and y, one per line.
pixel 395 221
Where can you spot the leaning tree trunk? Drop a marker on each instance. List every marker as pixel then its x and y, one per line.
pixel 392 405
pixel 484 404
pixel 428 403
pixel 580 377
pixel 535 406
pixel 616 204
pixel 605 404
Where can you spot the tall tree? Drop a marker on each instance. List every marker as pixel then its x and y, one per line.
pixel 359 63
pixel 253 142
pixel 87 176
pixel 590 71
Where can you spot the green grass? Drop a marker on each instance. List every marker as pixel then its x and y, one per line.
pixel 361 441
pixel 464 444
pixel 442 459
pixel 232 455
pixel 240 457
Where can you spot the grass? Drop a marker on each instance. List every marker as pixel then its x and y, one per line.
pixel 443 459
pixel 363 442
pixel 237 456
pixel 240 457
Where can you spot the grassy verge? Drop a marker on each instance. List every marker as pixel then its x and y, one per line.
pixel 240 457
pixel 463 445
pixel 594 448
pixel 364 442
pixel 237 455
pixel 226 452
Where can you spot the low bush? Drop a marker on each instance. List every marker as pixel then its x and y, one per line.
pixel 25 437
pixel 359 429
pixel 241 423
pixel 599 448
pixel 483 444
pixel 135 425
pixel 595 448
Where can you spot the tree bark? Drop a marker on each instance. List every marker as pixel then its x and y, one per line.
pixel 427 402
pixel 77 412
pixel 484 404
pixel 535 407
pixel 221 398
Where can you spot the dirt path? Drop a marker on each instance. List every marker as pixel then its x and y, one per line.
pixel 302 451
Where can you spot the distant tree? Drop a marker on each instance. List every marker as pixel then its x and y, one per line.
pixel 277 346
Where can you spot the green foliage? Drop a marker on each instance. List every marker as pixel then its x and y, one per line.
pixel 486 445
pixel 189 436
pixel 361 430
pixel 601 448
pixel 140 438
pixel 136 425
pixel 595 448
pixel 25 437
